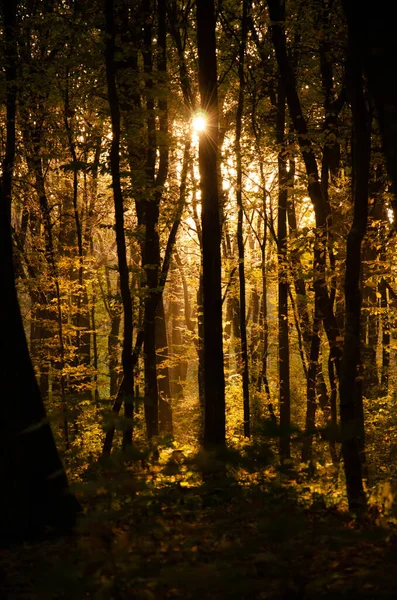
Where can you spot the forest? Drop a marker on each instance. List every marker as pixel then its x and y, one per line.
pixel 199 305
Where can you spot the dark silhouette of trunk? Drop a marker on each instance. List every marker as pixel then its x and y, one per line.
pixel 214 380
pixel 350 390
pixel 35 488
pixel 240 214
pixel 113 350
pixel 127 387
pixel 263 320
pixel 151 248
pixel 332 105
pixel 254 342
pixel 283 286
pixel 89 248
pixel 373 37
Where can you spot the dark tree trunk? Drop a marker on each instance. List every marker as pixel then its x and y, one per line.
pixel 263 318
pixel 373 36
pixel 113 353
pixel 214 380
pixel 240 239
pixel 283 286
pixel 151 249
pixel 128 373
pixel 351 404
pixel 35 491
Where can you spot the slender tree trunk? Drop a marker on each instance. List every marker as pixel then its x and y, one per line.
pixel 350 390
pixel 151 253
pixel 240 215
pixel 214 380
pixel 263 314
pixel 283 286
pixel 128 373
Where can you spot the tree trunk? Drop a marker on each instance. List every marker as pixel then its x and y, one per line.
pixel 373 36
pixel 128 373
pixel 350 390
pixel 214 380
pixel 240 240
pixel 35 491
pixel 283 286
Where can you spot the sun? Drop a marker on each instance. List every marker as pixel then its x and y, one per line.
pixel 199 122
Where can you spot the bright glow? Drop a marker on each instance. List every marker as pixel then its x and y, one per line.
pixel 199 122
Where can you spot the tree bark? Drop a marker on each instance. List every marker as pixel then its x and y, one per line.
pixel 283 286
pixel 373 36
pixel 35 491
pixel 128 373
pixel 240 214
pixel 350 390
pixel 214 380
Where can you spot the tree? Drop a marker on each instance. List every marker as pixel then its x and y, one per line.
pixel 240 240
pixel 373 37
pixel 35 493
pixel 214 381
pixel 127 387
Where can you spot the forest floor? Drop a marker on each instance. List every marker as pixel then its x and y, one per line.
pixel 165 532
